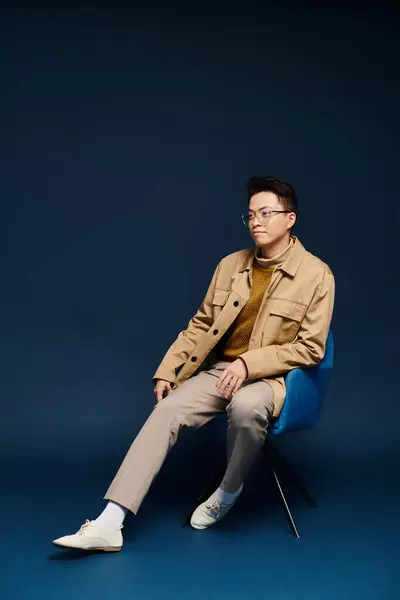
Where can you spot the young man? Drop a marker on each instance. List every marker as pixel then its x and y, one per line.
pixel 267 310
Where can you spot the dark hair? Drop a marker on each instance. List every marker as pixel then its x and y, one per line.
pixel 282 189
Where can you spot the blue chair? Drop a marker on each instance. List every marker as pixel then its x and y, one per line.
pixel 305 392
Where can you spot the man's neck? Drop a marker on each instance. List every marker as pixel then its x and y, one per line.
pixel 275 249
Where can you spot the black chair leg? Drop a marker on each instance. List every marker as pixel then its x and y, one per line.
pixel 282 495
pixel 205 494
pixel 271 455
pixel 272 450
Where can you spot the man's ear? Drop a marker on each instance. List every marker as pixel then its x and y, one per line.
pixel 292 219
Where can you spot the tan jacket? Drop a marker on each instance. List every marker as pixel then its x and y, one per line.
pixel 290 330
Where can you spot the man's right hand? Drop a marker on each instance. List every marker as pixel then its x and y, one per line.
pixel 160 388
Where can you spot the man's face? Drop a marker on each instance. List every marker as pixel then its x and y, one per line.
pixel 265 227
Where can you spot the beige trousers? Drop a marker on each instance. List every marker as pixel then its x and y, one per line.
pixel 192 404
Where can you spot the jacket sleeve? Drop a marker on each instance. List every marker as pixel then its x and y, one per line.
pixel 187 339
pixel 308 348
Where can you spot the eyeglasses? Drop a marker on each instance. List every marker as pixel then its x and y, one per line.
pixel 263 216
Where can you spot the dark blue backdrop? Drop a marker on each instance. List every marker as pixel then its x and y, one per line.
pixel 127 138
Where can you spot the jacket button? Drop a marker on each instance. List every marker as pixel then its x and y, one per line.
pixel 194 358
pixel 236 303
pixel 215 332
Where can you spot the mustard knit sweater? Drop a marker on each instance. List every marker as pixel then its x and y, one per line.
pixel 236 339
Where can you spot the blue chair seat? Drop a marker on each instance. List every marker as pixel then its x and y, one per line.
pixel 305 392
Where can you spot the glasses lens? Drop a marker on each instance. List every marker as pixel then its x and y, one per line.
pixel 245 220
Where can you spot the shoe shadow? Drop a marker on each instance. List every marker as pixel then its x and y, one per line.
pixel 71 554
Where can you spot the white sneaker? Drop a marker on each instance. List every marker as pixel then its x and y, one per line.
pixel 91 537
pixel 209 512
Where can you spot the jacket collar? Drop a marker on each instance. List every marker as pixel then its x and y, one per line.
pixel 289 266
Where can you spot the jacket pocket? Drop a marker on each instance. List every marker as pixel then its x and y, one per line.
pixel 220 297
pixel 284 320
pixel 219 300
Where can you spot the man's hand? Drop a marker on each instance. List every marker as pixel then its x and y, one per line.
pixel 232 378
pixel 160 388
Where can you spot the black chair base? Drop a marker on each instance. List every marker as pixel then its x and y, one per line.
pixel 274 460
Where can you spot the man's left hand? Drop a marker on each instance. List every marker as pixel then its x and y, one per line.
pixel 232 378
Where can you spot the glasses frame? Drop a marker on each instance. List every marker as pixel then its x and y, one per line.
pixel 271 212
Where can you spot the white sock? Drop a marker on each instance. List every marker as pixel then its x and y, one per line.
pixel 112 517
pixel 225 497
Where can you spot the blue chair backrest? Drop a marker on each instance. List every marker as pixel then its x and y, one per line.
pixel 305 392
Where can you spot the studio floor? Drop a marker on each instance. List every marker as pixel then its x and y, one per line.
pixel 348 546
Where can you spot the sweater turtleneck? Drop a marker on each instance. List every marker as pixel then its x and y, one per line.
pixel 275 261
